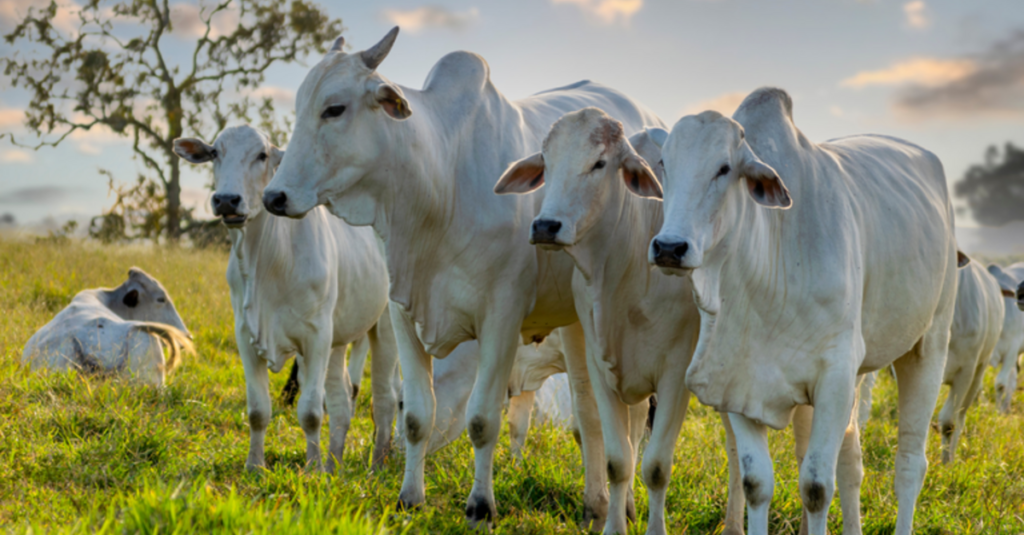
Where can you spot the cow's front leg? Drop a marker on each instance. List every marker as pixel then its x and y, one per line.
pixel 499 339
pixel 339 406
pixel 833 408
pixel 756 470
pixel 417 406
pixel 588 423
pixel 257 397
pixel 313 375
pixel 383 369
pixel 736 501
pixel 519 410
pixel 673 399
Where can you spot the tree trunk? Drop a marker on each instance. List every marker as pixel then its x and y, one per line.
pixel 174 201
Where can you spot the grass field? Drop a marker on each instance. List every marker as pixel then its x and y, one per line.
pixel 93 455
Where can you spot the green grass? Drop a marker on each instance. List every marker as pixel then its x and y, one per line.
pixel 90 455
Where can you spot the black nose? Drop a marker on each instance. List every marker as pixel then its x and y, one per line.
pixel 1020 292
pixel 669 254
pixel 544 231
pixel 226 203
pixel 276 202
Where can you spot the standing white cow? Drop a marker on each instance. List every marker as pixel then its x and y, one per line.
pixel 976 329
pixel 117 330
pixel 800 292
pixel 419 165
pixel 305 287
pixel 1011 342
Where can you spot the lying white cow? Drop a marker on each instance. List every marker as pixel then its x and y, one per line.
pixel 306 287
pixel 976 329
pixel 119 331
pixel 1011 342
pixel 811 264
pixel 419 165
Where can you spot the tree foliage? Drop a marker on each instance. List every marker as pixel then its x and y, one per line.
pixel 116 72
pixel 994 189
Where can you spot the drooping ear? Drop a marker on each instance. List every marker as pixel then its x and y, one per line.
pixel 131 299
pixel 658 136
pixel 194 150
pixel 523 176
pixel 276 155
pixel 392 100
pixel 639 177
pixel 763 183
pixel 962 260
pixel 373 56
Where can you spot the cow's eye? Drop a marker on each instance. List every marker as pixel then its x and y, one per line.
pixel 599 165
pixel 262 157
pixel 724 170
pixel 332 112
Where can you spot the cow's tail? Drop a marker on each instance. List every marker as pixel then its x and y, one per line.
pixel 175 339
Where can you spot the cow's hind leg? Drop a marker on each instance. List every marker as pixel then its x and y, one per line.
pixel 360 349
pixel 519 411
pixel 736 502
pixel 756 470
pixel 337 387
pixel 949 416
pixel 383 369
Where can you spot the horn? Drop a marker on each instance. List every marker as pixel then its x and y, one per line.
pixel 374 55
pixel 338 44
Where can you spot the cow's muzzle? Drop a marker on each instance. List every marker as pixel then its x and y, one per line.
pixel 669 254
pixel 276 202
pixel 545 232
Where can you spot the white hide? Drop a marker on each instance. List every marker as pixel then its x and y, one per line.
pixel 811 264
pixel 419 166
pixel 1006 357
pixel 118 331
pixel 976 329
pixel 305 288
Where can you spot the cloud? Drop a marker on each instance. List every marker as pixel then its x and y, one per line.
pixel 921 71
pixel 725 104
pixel 66 19
pixel 37 195
pixel 607 11
pixel 11 118
pixel 186 19
pixel 16 156
pixel 424 17
pixel 917 14
pixel 280 95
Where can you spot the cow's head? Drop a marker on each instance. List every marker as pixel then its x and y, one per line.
pixel 243 162
pixel 343 108
pixel 709 169
pixel 143 298
pixel 584 159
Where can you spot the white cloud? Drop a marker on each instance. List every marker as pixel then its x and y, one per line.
pixel 423 17
pixel 187 22
pixel 16 156
pixel 607 11
pixel 917 14
pixel 919 71
pixel 66 20
pixel 836 111
pixel 725 104
pixel 88 149
pixel 280 95
pixel 11 118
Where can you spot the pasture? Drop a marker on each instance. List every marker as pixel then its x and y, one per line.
pixel 101 455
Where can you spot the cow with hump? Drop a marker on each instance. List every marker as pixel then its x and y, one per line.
pixel 1006 357
pixel 114 331
pixel 810 264
pixel 307 288
pixel 419 167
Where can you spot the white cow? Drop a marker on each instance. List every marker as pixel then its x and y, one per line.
pixel 1011 342
pixel 305 287
pixel 811 264
pixel 116 331
pixel 419 165
pixel 976 329
pixel 642 334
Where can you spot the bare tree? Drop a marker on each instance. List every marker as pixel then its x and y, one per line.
pixel 115 72
pixel 995 189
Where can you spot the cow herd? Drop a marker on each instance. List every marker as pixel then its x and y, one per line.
pixel 452 223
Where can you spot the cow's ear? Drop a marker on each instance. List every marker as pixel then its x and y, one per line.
pixel 523 176
pixel 194 150
pixel 962 260
pixel 763 183
pixel 639 177
pixel 131 299
pixel 276 155
pixel 391 99
pixel 658 136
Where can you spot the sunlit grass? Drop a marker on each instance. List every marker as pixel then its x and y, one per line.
pixel 92 455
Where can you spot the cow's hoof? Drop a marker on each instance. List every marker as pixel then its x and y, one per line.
pixel 631 511
pixel 593 520
pixel 733 531
pixel 407 506
pixel 255 466
pixel 480 512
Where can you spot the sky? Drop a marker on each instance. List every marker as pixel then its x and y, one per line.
pixel 945 74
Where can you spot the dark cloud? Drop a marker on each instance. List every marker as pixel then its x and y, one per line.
pixel 37 195
pixel 996 84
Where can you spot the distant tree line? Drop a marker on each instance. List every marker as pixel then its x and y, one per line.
pixel 994 189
